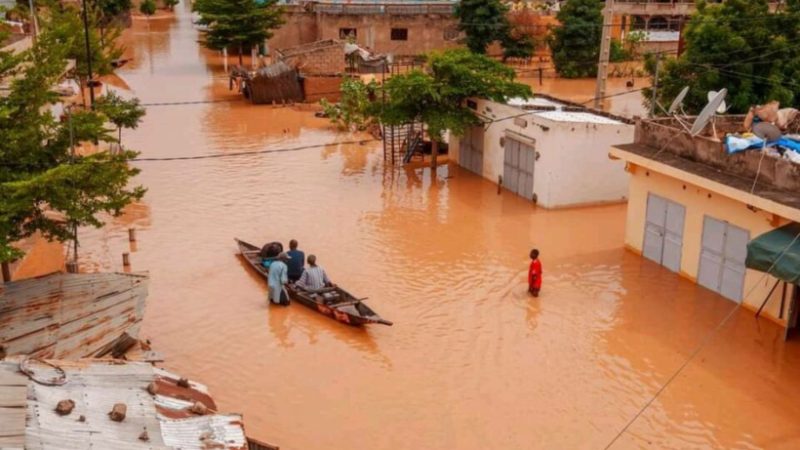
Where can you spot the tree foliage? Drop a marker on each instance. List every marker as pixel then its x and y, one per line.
pixel 38 172
pixel 437 96
pixel 351 113
pixel 111 9
pixel 238 24
pixel 486 21
pixel 65 26
pixel 147 7
pixel 575 44
pixel 119 111
pixel 738 45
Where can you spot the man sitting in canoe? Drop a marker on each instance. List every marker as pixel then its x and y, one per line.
pixel 314 277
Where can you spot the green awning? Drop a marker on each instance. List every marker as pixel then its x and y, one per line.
pixel 765 250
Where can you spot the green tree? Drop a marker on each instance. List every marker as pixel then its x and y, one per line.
pixel 171 4
pixel 238 23
pixel 38 171
pixel 66 27
pixel 122 113
pixel 437 96
pixel 575 44
pixel 486 21
pixel 351 113
pixel 738 45
pixel 112 9
pixel 148 7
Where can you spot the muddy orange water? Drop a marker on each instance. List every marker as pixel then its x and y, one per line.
pixel 472 362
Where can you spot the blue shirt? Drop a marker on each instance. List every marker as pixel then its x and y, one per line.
pixel 296 263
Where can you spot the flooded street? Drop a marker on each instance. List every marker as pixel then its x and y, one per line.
pixel 472 361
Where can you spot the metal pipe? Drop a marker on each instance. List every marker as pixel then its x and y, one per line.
pixel 767 299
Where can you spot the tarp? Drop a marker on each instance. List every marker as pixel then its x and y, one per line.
pixel 779 247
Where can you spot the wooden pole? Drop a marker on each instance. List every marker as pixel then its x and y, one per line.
pixel 126 259
pixel 132 234
pixel 72 267
pixel 767 299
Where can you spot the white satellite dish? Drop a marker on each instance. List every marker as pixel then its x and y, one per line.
pixel 722 106
pixel 708 112
pixel 678 102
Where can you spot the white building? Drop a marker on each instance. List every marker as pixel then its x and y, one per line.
pixel 552 152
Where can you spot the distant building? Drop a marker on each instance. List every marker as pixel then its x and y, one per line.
pixel 699 211
pixel 546 150
pixel 386 27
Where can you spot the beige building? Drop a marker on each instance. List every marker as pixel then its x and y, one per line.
pixel 692 208
pixel 395 28
pixel 552 152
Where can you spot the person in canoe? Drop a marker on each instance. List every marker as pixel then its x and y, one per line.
pixel 296 261
pixel 314 277
pixel 278 277
pixel 269 252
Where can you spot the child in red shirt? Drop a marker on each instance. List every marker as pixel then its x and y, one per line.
pixel 535 274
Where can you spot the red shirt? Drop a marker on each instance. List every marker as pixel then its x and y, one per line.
pixel 535 274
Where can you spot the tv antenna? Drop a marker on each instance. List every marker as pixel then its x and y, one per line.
pixel 716 105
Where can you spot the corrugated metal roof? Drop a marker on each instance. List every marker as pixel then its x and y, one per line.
pixel 582 117
pixel 95 386
pixel 70 315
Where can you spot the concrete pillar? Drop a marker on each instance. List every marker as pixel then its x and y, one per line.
pixel 605 54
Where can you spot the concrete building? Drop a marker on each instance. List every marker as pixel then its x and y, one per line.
pixel 546 150
pixel 697 210
pixel 396 28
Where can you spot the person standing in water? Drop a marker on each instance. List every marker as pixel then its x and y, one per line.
pixel 278 277
pixel 535 274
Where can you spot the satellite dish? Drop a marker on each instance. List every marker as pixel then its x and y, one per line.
pixel 722 106
pixel 708 112
pixel 678 102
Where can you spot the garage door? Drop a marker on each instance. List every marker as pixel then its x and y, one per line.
pixel 722 257
pixel 470 155
pixel 518 164
pixel 663 232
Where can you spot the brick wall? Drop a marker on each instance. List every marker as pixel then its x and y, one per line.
pixel 318 87
pixel 322 61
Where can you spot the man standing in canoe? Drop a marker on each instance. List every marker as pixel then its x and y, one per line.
pixel 278 277
pixel 535 274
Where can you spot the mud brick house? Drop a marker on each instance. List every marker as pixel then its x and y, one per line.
pixel 396 28
pixel 706 214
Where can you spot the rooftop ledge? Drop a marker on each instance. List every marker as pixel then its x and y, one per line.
pixel 766 197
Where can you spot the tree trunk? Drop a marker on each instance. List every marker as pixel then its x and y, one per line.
pixel 119 141
pixel 434 154
pixel 241 60
pixel 6 272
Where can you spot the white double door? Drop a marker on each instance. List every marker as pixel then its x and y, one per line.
pixel 722 258
pixel 663 232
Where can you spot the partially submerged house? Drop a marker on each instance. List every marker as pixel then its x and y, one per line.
pixel 275 83
pixel 64 405
pixel 549 151
pixel 69 316
pixel 726 221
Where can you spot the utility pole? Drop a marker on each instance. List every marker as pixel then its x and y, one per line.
pixel 88 53
pixel 605 54
pixel 655 88
pixel 34 23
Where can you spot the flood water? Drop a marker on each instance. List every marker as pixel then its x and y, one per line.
pixel 472 361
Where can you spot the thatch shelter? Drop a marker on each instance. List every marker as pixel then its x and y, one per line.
pixel 275 83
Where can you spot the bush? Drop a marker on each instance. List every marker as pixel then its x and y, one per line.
pixel 148 7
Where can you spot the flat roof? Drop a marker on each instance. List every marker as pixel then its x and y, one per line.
pixel 577 116
pixel 765 196
pixel 557 110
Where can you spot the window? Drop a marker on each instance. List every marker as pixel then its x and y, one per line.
pixel 348 33
pixel 399 34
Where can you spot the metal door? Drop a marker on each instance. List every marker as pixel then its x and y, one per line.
pixel 663 232
pixel 722 255
pixel 518 165
pixel 470 155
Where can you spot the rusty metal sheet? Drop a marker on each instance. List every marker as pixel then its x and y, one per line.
pixel 95 386
pixel 70 315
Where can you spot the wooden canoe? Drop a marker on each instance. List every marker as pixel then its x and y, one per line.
pixel 344 306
